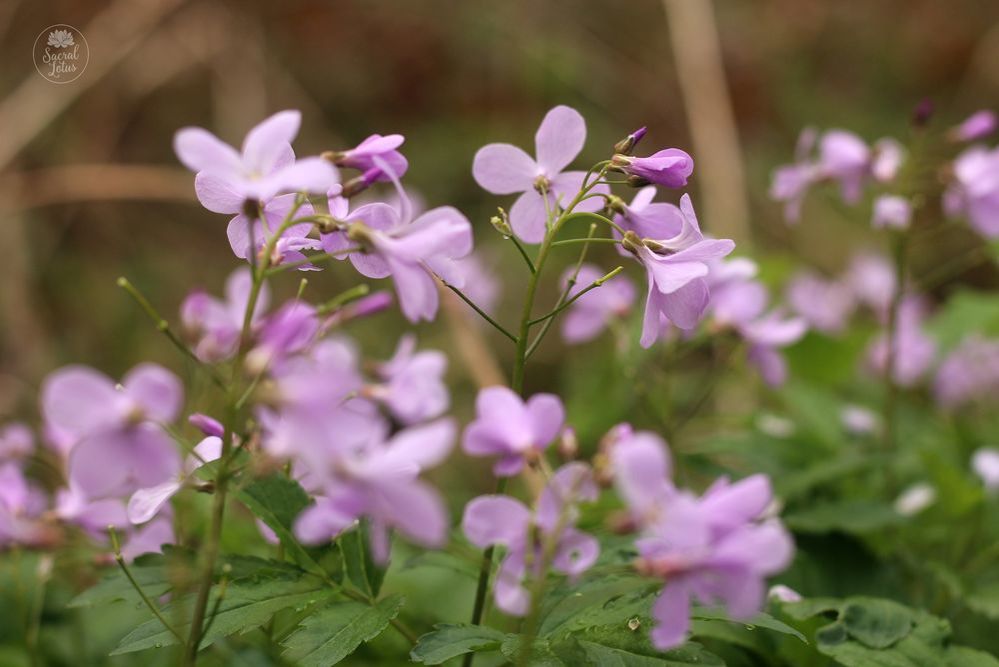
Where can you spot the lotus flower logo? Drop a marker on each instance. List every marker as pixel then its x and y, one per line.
pixel 61 39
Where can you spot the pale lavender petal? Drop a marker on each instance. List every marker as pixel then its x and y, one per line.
pixel 685 306
pixel 200 150
pixel 327 518
pixel 80 400
pixel 145 503
pixel 414 449
pixel 492 520
pixel 528 217
pixel 769 363
pixel 576 553
pixel 641 468
pixel 547 415
pixel 156 389
pixel 217 194
pixel 559 139
pixel 504 169
pixel 148 539
pixel 671 612
pixel 418 297
pixel 511 596
pixel 264 144
pixel 415 509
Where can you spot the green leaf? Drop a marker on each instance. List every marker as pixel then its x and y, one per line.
pixel 541 655
pixel 277 501
pixel 803 609
pixel 619 646
pixel 248 604
pixel 853 516
pixel 362 570
pixel 962 656
pixel 984 600
pixel 761 620
pixel 151 571
pixel 598 599
pixel 876 623
pixel 333 633
pixel 448 641
pixel 964 313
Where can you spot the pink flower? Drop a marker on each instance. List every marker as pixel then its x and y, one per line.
pixel 891 211
pixel 974 193
pixel 504 169
pixel 119 443
pixel 826 305
pixel 216 324
pixel 377 157
pixel 226 179
pixel 412 386
pixel 515 430
pixel 718 547
pixel 976 126
pixel 506 522
pixel 16 441
pixel 670 167
pixel 914 351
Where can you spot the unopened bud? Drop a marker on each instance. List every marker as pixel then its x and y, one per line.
pixel 631 242
pixel 626 145
pixel 501 223
pixel 923 112
pixel 621 523
pixel 637 182
pixel 616 204
pixel 568 444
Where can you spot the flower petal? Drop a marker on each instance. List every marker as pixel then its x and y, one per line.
pixel 504 169
pixel 495 520
pixel 529 218
pixel 559 139
pixel 265 144
pixel 200 150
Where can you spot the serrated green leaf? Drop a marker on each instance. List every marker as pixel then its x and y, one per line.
pixel 596 600
pixel 962 656
pixel 541 655
pixel 614 647
pixel 151 572
pixel 361 568
pixel 248 604
pixel 333 633
pixel 809 607
pixel 277 501
pixel 449 641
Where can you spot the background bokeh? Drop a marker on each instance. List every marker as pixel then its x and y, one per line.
pixel 449 75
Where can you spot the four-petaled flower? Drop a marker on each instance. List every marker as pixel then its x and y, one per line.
pixel 504 169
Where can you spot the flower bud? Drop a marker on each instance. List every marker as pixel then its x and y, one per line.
pixel 626 145
pixel 568 444
pixel 631 242
pixel 501 223
pixel 922 113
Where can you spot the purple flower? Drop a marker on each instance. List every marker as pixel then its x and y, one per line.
pixel 504 169
pixel 676 260
pixel 858 420
pixel 844 157
pixel 670 167
pixel 887 159
pixel 412 252
pixel 974 193
pixel 377 157
pixel 656 220
pixel 976 126
pixel 739 302
pixel 716 548
pixel 149 538
pixel 381 482
pixel 515 430
pixel 93 516
pixel 826 305
pixel 985 463
pixel 226 179
pixel 891 211
pixel 592 312
pixel 791 182
pixel 215 324
pixel 287 331
pixel 293 240
pixel 21 505
pixel 16 441
pixel 914 351
pixel 412 386
pixel 504 521
pixel 119 444
pixel 146 503
pixel 871 279
pixel 970 372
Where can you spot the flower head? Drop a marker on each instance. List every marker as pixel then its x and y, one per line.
pixel 914 351
pixel 504 169
pixel 825 304
pixel 976 126
pixel 504 521
pixel 717 547
pixel 985 463
pixel 16 441
pixel 119 445
pixel 377 157
pixel 227 179
pixel 412 383
pixel 891 211
pixel 214 324
pixel 513 429
pixel 974 193
pixel 968 373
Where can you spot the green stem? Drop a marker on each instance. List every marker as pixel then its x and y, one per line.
pixel 584 240
pixel 595 284
pixel 164 327
pixel 313 259
pixel 523 253
pixel 890 407
pixel 138 589
pixel 499 327
pixel 223 476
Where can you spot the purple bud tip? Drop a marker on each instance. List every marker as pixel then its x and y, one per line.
pixel 924 110
pixel 206 424
pixel 372 304
pixel 639 133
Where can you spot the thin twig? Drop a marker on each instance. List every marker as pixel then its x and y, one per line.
pixel 138 589
pixel 499 327
pixel 595 284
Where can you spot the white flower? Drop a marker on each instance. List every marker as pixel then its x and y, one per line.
pixel 61 39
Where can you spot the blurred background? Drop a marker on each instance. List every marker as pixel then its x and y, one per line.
pixel 90 188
